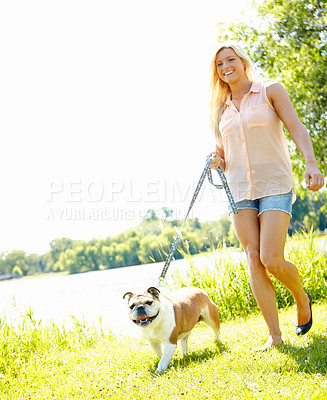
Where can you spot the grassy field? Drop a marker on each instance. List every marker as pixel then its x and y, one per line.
pixel 52 363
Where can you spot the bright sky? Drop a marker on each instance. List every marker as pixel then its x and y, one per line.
pixel 104 114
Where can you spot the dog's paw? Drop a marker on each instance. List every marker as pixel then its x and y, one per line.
pixel 160 371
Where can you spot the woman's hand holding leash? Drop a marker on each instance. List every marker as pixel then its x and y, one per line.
pixel 218 160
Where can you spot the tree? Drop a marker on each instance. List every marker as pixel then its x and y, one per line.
pixel 150 250
pixel 290 45
pixel 68 262
pixel 57 247
pixel 217 231
pixel 17 271
pixel 151 214
pixel 309 210
pixel 34 262
pixel 311 221
pixel 168 213
pixel 91 253
pixel 12 259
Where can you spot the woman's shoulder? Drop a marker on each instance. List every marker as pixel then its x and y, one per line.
pixel 267 86
pixel 268 83
pixel 273 86
pixel 274 90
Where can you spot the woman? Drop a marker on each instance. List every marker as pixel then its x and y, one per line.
pixel 246 117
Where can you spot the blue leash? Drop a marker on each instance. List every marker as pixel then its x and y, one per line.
pixel 206 172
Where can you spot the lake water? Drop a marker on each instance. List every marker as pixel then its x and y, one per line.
pixel 89 295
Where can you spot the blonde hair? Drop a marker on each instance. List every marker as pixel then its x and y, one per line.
pixel 220 90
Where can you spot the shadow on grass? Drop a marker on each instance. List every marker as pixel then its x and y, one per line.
pixel 310 359
pixel 197 356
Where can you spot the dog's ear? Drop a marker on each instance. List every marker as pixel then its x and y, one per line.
pixel 128 295
pixel 154 292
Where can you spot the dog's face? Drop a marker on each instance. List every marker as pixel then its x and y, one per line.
pixel 143 308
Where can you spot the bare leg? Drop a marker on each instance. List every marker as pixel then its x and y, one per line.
pixel 273 232
pixel 264 240
pixel 247 228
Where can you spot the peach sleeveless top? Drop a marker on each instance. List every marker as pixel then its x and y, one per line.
pixel 256 154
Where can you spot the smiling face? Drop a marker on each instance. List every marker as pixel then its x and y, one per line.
pixel 230 67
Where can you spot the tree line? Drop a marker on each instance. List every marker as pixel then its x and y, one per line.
pixel 149 242
pixel 146 243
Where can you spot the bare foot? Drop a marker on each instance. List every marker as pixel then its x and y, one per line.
pixel 270 343
pixel 303 311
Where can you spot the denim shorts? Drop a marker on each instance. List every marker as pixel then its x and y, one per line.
pixel 279 202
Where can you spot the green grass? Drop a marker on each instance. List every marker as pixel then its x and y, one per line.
pixel 51 363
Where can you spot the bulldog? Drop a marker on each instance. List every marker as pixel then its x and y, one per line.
pixel 165 319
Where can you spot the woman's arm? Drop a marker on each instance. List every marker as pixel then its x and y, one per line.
pixel 281 102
